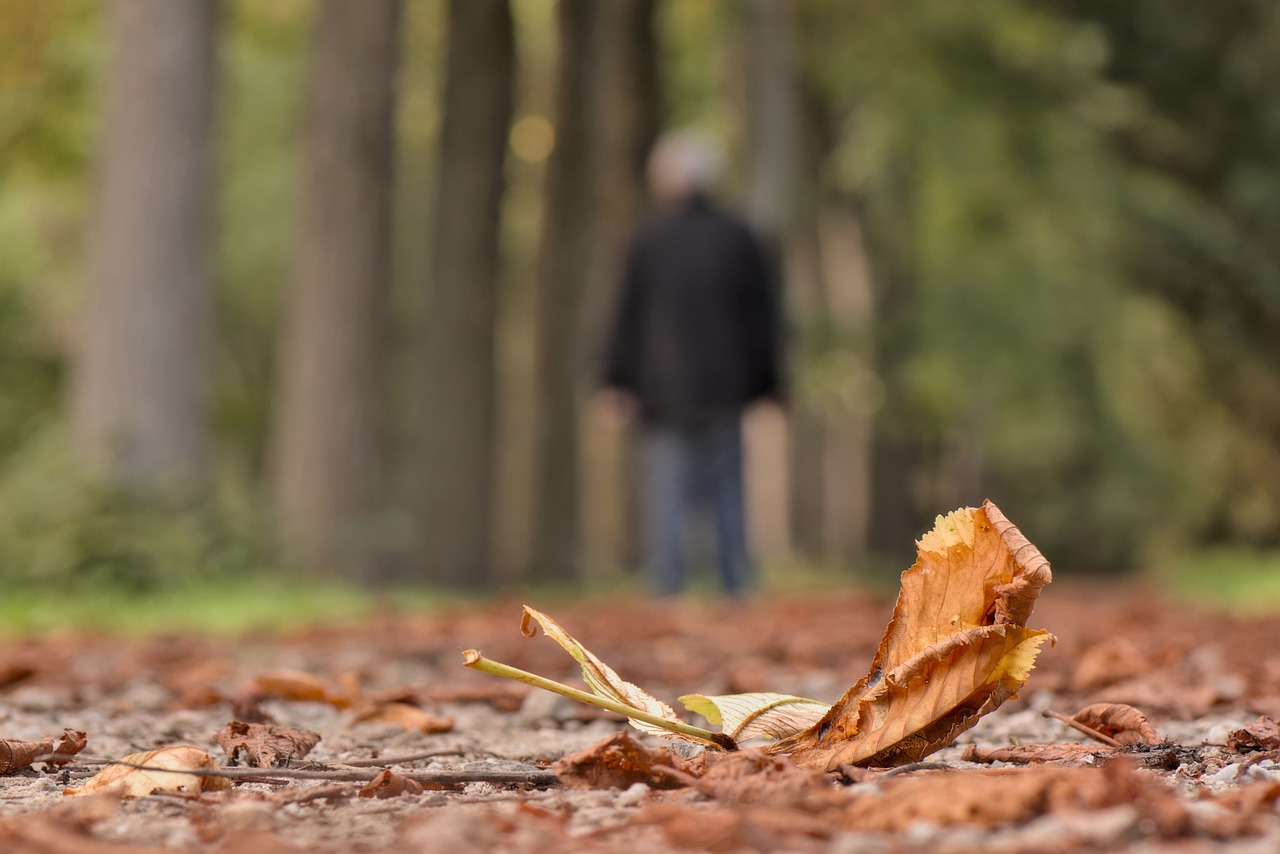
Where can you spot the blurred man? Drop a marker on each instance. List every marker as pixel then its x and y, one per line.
pixel 695 342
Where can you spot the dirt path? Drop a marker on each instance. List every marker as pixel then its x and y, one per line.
pixel 1197 676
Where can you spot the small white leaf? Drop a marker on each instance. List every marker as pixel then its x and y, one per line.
pixel 745 716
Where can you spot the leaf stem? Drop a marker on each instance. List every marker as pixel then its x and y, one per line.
pixel 1076 725
pixel 476 661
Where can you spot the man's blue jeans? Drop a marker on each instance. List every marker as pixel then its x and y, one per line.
pixel 684 467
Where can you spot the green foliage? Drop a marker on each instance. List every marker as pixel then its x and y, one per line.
pixel 61 531
pixel 978 139
pixel 1238 580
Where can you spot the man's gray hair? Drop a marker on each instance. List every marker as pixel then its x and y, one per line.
pixel 684 162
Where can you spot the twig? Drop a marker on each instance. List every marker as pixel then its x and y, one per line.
pixel 476 661
pixel 398 760
pixel 913 766
pixel 446 777
pixel 1087 730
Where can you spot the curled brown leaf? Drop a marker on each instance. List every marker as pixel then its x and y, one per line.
pixel 16 754
pixel 1030 754
pixel 265 745
pixel 1262 734
pixel 955 649
pixel 1118 721
pixel 389 784
pixel 620 761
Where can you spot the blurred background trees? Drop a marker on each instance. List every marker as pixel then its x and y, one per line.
pixel 319 284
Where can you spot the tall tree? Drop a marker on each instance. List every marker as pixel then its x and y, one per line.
pixel 325 439
pixel 628 103
pixel 457 422
pixel 772 133
pixel 140 385
pixel 567 233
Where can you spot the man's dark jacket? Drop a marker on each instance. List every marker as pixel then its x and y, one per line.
pixel 697 329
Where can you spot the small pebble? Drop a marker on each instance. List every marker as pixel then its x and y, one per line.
pixel 634 796
pixel 1226 774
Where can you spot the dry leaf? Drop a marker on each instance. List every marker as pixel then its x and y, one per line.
pixel 1011 796
pixel 1029 754
pixel 620 761
pixel 406 716
pixel 1113 660
pixel 690 828
pixel 754 777
pixel 247 707
pixel 1262 734
pixel 13 672
pixel 167 769
pixel 600 676
pixel 265 745
pixel 956 648
pixel 1119 721
pixel 291 685
pixel 389 784
pixel 744 716
pixel 67 828
pixel 19 754
pixel 500 697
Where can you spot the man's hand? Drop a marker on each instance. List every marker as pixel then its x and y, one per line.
pixel 618 405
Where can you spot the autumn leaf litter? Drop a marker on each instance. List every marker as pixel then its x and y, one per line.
pixel 1208 687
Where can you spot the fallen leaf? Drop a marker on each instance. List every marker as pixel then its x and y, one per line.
pixel 167 769
pixel 620 761
pixel 1119 721
pixel 744 716
pixel 717 830
pixel 1245 809
pixel 956 648
pixel 66 829
pixel 265 745
pixel 753 777
pixel 291 685
pixel 1003 797
pixel 19 754
pixel 247 707
pixel 1108 662
pixel 600 677
pixel 406 716
pixel 1262 734
pixel 1026 754
pixel 14 672
pixel 389 784
pixel 500 697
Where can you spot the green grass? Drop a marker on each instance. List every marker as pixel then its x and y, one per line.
pixel 221 609
pixel 1237 580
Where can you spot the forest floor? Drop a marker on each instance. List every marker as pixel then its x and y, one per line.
pixel 382 693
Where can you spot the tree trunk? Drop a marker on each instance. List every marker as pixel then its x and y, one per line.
pixel 457 421
pixel 772 137
pixel 563 270
pixel 326 434
pixel 628 102
pixel 846 473
pixel 139 400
